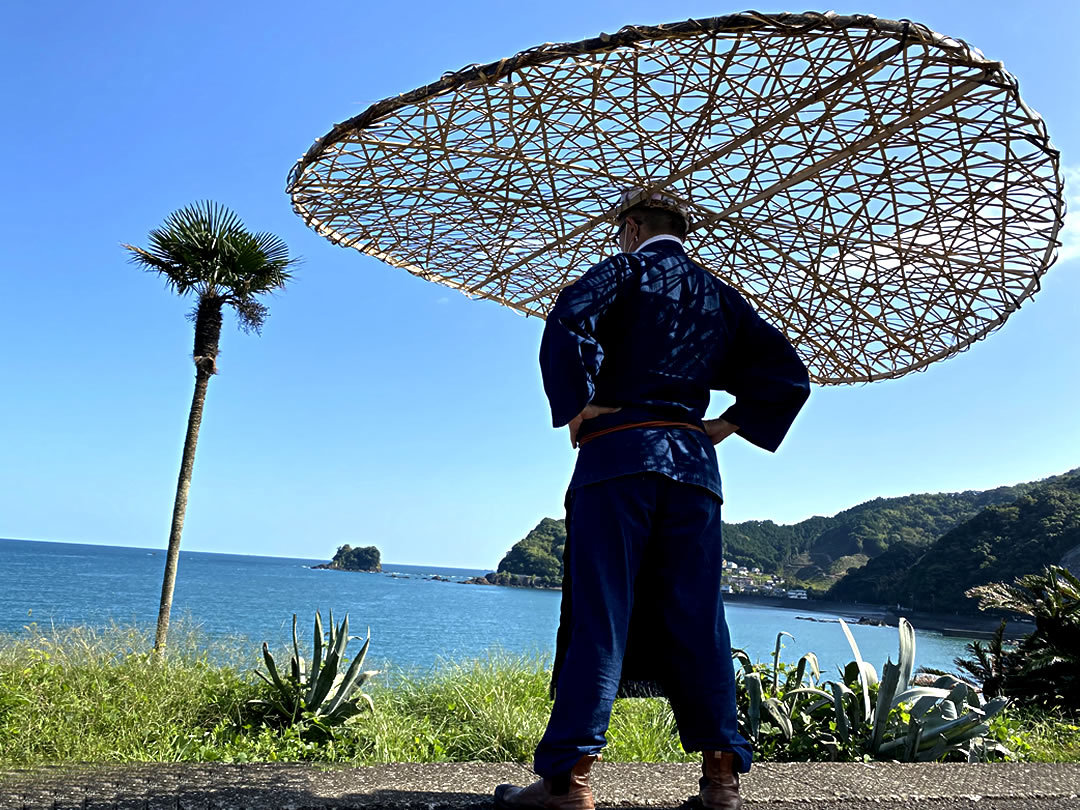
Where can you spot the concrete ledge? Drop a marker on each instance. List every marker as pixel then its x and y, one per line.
pixel 298 786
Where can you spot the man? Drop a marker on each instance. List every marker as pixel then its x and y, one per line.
pixel 629 355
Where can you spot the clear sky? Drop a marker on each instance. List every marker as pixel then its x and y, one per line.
pixel 377 408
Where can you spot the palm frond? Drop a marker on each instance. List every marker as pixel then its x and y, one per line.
pixel 997 643
pixel 979 665
pixel 275 250
pixel 176 279
pixel 1044 664
pixel 255 264
pixel 206 217
pixel 204 248
pixel 1002 596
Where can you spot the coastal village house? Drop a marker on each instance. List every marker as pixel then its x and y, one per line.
pixel 739 579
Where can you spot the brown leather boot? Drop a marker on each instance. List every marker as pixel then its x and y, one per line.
pixel 719 783
pixel 566 792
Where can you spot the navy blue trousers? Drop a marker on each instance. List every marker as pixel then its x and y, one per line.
pixel 612 527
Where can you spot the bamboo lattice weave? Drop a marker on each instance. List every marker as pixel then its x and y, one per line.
pixel 878 191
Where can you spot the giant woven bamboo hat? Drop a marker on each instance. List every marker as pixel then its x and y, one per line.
pixel 878 191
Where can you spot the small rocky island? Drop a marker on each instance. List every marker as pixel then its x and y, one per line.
pixel 533 562
pixel 348 558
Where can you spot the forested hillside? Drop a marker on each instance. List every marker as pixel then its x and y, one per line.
pixel 998 544
pixel 921 551
pixel 539 554
pixel 820 550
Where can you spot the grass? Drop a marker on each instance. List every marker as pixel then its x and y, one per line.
pixel 83 696
pixel 1035 736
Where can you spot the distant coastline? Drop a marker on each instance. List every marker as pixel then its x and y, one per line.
pixel 950 624
pixel 957 624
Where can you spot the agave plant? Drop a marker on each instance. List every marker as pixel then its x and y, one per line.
pixel 886 718
pixel 319 694
pixel 763 701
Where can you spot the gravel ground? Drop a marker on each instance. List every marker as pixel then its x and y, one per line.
pixel 881 786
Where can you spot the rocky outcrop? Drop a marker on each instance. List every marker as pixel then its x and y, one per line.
pixel 348 558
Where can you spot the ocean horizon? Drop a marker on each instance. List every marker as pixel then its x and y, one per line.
pixel 416 621
pixel 318 561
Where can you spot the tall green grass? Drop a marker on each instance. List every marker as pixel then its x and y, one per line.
pixel 84 695
pixel 1036 736
pixel 78 695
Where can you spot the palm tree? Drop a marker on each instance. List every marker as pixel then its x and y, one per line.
pixel 1045 668
pixel 204 250
pixel 988 665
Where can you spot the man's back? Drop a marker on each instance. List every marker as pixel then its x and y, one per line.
pixel 666 336
pixel 651 333
pixel 629 355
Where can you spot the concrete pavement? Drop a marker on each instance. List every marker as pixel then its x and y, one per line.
pixel 457 786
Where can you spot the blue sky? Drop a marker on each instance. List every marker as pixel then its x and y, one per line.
pixel 377 408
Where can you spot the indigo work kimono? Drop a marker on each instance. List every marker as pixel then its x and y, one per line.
pixel 652 333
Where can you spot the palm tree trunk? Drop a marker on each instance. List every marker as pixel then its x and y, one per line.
pixel 207 335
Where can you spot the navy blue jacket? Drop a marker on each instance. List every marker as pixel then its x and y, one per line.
pixel 653 333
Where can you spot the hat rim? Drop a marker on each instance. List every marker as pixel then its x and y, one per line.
pixel 640 197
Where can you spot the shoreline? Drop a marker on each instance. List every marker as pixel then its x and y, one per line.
pixel 948 624
pixel 960 625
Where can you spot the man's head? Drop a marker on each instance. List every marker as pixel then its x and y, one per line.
pixel 640 217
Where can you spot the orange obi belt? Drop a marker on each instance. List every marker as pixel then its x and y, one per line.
pixel 656 424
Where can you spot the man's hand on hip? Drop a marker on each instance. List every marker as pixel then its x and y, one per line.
pixel 590 412
pixel 719 429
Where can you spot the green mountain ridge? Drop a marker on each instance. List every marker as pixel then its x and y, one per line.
pixel 920 550
pixel 1004 541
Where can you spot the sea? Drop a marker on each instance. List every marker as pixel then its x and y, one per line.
pixel 419 616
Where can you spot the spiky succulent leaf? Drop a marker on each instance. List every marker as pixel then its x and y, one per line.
pixel 297 662
pixel 753 691
pixel 348 683
pixel 316 658
pixel 843 728
pixel 330 672
pixel 961 696
pixel 912 740
pixel 889 681
pixel 288 694
pixel 946 682
pixel 811 660
pixel 920 693
pixel 744 660
pixel 994 707
pixel 921 706
pixel 933 748
pixel 808 690
pixel 776 659
pixel 954 731
pixel 778 714
pixel 864 683
pixel 907 653
pixel 344 712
